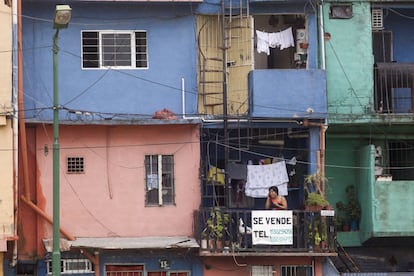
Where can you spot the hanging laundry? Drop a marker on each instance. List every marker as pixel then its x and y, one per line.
pixel 262 42
pixel 282 40
pixel 261 177
pixel 286 39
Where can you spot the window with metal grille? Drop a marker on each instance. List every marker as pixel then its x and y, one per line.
pixel 262 270
pixel 377 19
pixel 296 270
pixel 124 270
pixel 401 159
pixel 159 180
pixel 72 266
pixel 168 273
pixel 110 49
pixel 75 165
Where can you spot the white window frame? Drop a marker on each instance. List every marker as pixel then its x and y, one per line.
pixel 153 181
pixel 100 54
pixel 262 270
pixel 65 266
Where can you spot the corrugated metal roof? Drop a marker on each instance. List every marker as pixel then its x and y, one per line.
pixel 125 243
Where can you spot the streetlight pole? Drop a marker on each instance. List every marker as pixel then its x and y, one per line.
pixel 61 21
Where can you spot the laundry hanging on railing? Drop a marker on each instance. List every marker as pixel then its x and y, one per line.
pixel 261 177
pixel 283 39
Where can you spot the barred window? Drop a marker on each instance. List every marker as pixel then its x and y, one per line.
pixel 110 49
pixel 296 270
pixel 124 270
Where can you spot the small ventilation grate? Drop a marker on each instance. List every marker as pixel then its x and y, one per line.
pixel 75 165
pixel 377 19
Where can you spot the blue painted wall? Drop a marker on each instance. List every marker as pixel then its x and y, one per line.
pixel 400 22
pixel 288 93
pixel 171 56
pixel 181 261
pixel 171 33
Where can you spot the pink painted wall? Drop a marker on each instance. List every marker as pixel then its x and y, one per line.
pixel 109 198
pixel 241 266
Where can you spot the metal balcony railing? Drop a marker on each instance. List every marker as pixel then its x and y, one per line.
pixel 393 87
pixel 221 230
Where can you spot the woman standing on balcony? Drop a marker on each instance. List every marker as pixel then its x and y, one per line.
pixel 275 201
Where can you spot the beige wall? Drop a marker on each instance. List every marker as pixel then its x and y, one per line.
pixel 6 134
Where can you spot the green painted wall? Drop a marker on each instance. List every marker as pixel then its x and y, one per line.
pixel 349 64
pixel 394 208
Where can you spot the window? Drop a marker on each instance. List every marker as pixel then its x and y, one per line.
pixel 72 266
pixel 401 156
pixel 75 165
pixel 124 270
pixel 168 273
pixel 296 270
pixel 120 49
pixel 262 270
pixel 159 170
pixel 394 88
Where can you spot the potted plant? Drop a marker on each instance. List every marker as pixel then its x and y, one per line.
pixel 316 202
pixel 217 226
pixel 351 209
pixel 315 198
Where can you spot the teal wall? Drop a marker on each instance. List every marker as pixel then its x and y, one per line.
pixel 394 208
pixel 349 64
pixel 341 157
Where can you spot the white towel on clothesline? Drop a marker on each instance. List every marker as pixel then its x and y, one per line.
pixel 261 177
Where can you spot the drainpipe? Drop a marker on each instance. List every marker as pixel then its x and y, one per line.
pixel 183 101
pixel 15 129
pixel 322 35
pixel 321 159
pixel 45 216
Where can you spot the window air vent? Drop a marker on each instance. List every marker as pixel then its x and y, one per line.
pixel 377 19
pixel 75 165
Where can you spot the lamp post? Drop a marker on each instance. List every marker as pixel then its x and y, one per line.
pixel 61 21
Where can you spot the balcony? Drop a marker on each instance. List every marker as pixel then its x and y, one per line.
pixel 287 93
pixel 393 88
pixel 225 231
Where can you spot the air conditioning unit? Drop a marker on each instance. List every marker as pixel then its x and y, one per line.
pixel 377 22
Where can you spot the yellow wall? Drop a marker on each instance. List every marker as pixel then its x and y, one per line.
pixel 211 67
pixel 6 133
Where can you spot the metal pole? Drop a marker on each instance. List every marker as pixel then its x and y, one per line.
pixel 225 79
pixel 56 185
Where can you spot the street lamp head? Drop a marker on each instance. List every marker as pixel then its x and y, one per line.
pixel 62 16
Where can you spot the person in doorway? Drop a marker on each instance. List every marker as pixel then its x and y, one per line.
pixel 275 201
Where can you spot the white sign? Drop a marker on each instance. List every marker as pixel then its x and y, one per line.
pixel 272 227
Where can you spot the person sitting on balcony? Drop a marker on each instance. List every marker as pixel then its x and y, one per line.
pixel 275 201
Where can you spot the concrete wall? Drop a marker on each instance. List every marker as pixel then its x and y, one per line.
pixel 349 63
pixel 139 92
pixel 241 266
pixel 109 197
